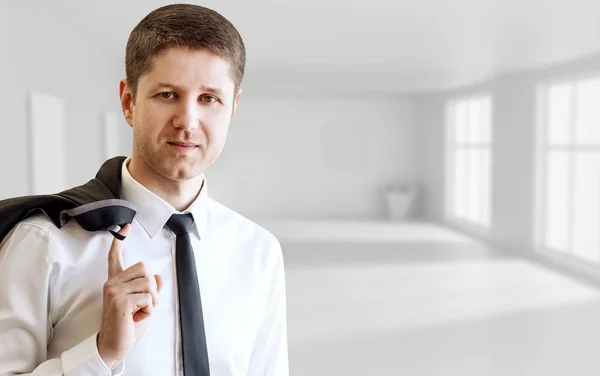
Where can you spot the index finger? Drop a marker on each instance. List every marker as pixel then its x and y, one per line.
pixel 115 254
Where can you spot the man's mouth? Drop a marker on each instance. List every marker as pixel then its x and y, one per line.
pixel 184 144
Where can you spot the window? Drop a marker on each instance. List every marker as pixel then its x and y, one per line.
pixel 568 215
pixel 469 159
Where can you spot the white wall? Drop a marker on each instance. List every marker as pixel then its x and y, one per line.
pixel 513 155
pixel 430 157
pixel 42 52
pixel 304 157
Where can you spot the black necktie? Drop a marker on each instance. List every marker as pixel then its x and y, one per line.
pixel 193 338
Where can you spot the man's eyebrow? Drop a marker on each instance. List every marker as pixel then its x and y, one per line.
pixel 215 91
pixel 211 90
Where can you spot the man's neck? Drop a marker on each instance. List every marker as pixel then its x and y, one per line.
pixel 179 194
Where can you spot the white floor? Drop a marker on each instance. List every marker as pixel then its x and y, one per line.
pixel 414 299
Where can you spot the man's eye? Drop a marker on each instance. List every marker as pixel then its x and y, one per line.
pixel 208 99
pixel 166 95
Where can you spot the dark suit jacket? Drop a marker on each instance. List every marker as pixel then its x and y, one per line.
pixel 95 205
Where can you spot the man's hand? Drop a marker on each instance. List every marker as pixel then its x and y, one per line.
pixel 129 298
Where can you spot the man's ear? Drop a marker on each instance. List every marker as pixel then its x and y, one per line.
pixel 235 102
pixel 127 101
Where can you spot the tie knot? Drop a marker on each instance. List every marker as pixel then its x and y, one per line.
pixel 180 223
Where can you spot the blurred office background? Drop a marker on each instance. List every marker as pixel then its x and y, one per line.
pixel 431 168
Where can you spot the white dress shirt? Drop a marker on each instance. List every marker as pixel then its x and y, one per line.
pixel 51 283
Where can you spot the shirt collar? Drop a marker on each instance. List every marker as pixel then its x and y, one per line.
pixel 154 212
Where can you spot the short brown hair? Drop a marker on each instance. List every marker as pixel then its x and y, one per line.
pixel 183 25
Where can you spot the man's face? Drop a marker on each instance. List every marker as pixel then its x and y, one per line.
pixel 181 113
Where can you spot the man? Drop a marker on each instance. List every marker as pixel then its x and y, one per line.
pixel 194 288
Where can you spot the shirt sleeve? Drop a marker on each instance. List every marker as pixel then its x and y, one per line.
pixel 270 353
pixel 29 266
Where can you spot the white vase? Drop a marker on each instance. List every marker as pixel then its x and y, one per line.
pixel 399 201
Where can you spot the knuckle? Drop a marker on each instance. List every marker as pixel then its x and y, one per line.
pixel 112 292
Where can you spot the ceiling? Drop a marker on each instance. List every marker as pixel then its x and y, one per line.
pixel 373 46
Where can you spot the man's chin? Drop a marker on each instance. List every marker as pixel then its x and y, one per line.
pixel 180 171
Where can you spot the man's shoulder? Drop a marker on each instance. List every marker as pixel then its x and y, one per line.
pixel 35 225
pixel 42 225
pixel 39 220
pixel 234 222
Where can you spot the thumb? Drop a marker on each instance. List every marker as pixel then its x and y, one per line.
pixel 159 282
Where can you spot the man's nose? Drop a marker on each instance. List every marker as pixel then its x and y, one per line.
pixel 188 115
